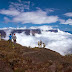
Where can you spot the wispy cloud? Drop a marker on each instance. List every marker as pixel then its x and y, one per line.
pixel 69 21
pixel 69 14
pixel 10 12
pixel 20 6
pixel 6 19
pixel 48 10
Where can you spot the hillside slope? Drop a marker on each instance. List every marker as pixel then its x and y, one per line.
pixel 23 59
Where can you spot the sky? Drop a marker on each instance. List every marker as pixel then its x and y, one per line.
pixel 28 13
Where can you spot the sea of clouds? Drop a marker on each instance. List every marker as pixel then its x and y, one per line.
pixel 60 42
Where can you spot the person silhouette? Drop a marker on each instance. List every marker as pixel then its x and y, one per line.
pixel 14 38
pixel 43 45
pixel 0 36
pixel 40 43
pixel 10 38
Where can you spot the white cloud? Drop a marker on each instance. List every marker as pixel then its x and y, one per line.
pixel 49 10
pixel 68 14
pixel 44 27
pixel 69 21
pixel 62 21
pixel 11 12
pixel 11 28
pixel 6 19
pixel 36 17
pixel 60 42
pixel 17 14
pixel 21 5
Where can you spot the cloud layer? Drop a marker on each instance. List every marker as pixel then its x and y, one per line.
pixel 60 42
pixel 44 27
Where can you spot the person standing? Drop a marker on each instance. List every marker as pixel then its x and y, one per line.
pixel 43 45
pixel 0 36
pixel 14 39
pixel 40 43
pixel 10 38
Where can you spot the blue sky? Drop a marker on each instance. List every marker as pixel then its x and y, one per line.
pixel 55 13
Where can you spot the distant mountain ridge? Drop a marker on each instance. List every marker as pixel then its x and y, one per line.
pixel 26 31
pixel 69 32
pixel 3 34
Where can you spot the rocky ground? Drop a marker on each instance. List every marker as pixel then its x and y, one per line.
pixel 23 59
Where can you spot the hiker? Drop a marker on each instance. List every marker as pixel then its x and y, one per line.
pixel 14 38
pixel 40 43
pixel 10 38
pixel 0 36
pixel 43 45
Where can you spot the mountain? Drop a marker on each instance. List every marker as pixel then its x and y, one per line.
pixel 69 32
pixel 52 31
pixel 25 59
pixel 3 34
pixel 26 31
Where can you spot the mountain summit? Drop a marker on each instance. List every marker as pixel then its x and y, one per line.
pixel 26 59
